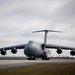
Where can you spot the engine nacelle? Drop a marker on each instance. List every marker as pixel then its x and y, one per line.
pixel 72 53
pixel 14 51
pixel 3 52
pixel 59 51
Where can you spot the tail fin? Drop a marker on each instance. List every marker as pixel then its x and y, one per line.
pixel 46 31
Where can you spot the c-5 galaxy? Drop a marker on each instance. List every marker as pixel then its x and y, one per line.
pixel 35 50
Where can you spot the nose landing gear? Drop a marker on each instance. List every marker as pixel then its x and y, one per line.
pixel 31 58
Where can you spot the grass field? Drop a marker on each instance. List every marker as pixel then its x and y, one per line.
pixel 41 69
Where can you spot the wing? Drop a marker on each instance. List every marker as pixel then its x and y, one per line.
pixel 59 47
pixel 12 47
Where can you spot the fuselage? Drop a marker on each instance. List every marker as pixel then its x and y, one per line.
pixel 33 49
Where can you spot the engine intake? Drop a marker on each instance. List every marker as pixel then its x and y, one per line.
pixel 3 52
pixel 14 51
pixel 72 53
pixel 59 51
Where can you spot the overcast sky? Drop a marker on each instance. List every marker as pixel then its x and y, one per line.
pixel 18 18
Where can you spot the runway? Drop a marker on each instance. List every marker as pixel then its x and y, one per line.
pixel 15 63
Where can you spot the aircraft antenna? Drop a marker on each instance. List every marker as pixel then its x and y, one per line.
pixel 46 31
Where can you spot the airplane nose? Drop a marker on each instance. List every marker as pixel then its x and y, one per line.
pixel 32 49
pixel 29 49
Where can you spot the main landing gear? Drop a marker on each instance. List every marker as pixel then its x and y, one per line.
pixel 45 58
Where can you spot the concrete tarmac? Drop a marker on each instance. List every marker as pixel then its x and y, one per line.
pixel 15 63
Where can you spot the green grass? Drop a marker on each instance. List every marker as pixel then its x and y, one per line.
pixel 41 69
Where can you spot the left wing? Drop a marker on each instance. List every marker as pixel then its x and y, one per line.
pixel 13 47
pixel 59 47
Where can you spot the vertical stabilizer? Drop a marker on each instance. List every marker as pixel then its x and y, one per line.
pixel 46 31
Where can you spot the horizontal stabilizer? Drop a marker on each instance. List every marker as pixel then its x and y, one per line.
pixel 46 31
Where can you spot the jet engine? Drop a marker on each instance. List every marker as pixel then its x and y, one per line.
pixel 3 52
pixel 59 51
pixel 14 51
pixel 72 53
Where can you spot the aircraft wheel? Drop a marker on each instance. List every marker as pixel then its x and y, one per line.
pixel 31 58
pixel 45 58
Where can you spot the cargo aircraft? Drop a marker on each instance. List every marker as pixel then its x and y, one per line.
pixel 35 50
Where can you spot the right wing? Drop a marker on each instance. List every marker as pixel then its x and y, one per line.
pixel 13 47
